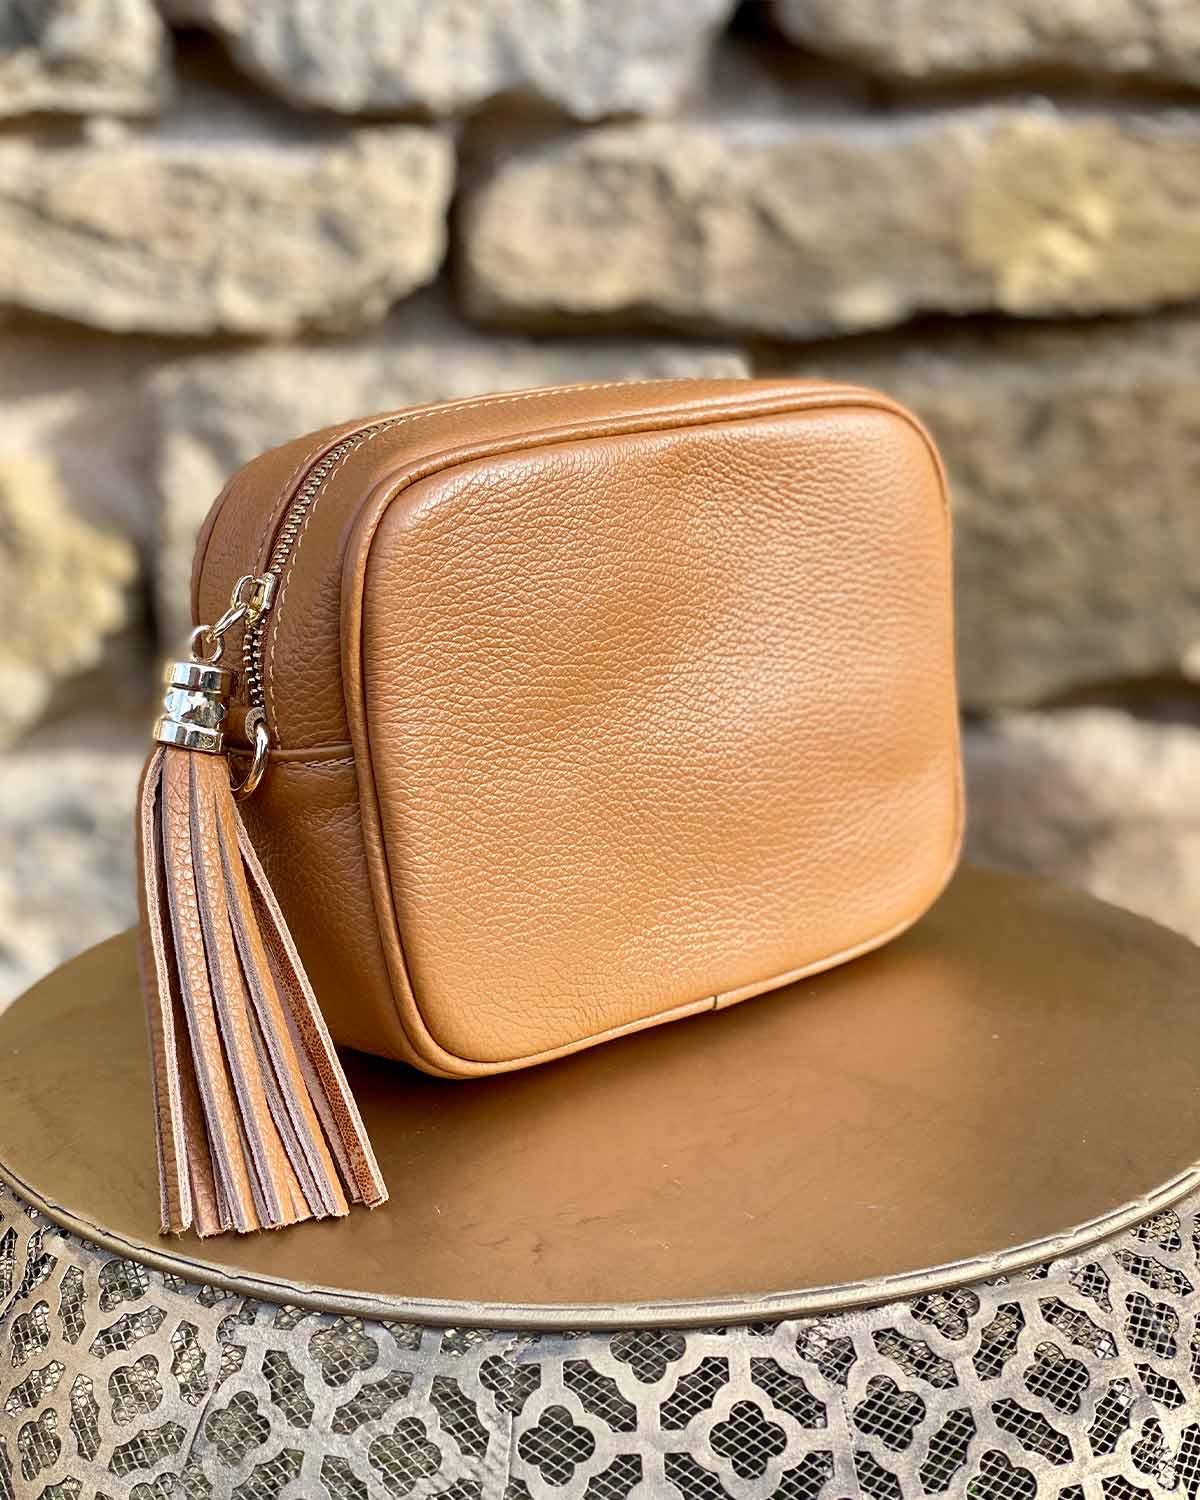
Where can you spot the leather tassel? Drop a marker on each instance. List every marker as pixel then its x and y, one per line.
pixel 256 1124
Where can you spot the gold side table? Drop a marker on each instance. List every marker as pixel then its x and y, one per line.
pixel 925 1225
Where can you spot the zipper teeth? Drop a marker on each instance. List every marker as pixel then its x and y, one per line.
pixel 293 524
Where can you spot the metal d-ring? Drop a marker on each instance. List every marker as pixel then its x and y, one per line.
pixel 206 646
pixel 257 721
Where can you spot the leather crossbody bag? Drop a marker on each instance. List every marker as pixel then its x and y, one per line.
pixel 518 724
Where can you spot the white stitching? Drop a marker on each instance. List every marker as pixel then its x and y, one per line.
pixel 389 426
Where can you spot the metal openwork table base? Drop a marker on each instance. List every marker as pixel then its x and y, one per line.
pixel 1076 1378
pixel 153 1369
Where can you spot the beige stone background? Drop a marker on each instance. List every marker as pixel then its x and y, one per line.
pixel 223 222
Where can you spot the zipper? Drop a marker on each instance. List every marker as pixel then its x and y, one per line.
pixel 255 594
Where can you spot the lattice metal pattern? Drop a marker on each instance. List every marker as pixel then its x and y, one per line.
pixel 1079 1380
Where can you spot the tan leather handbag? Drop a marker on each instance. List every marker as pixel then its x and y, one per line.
pixel 564 713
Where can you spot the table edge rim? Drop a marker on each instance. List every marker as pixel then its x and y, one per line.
pixel 558 1316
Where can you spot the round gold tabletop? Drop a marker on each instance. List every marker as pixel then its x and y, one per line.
pixel 1018 1075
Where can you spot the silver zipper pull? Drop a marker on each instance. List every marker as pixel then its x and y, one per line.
pixel 255 594
pixel 198 691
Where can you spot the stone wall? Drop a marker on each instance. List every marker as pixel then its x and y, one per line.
pixel 223 222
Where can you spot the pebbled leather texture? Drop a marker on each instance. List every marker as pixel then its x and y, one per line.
pixel 599 706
